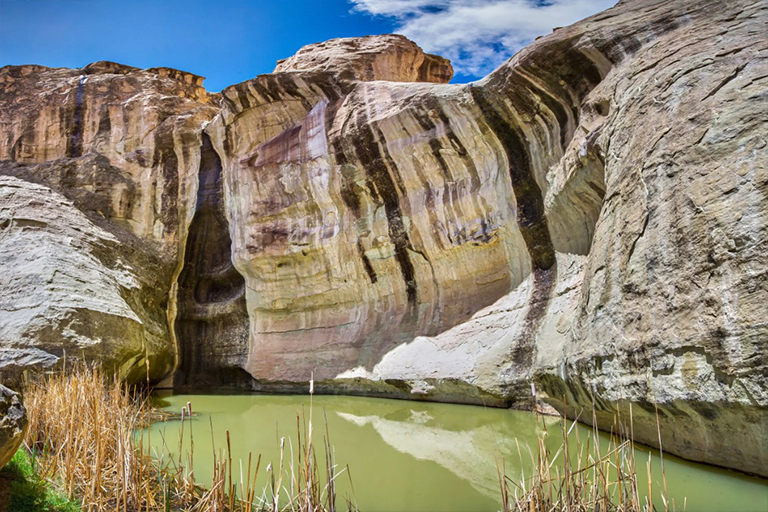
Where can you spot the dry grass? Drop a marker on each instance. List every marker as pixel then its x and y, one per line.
pixel 580 476
pixel 82 432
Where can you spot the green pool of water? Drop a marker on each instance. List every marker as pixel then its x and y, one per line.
pixel 416 456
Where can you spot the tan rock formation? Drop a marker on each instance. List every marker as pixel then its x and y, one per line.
pixel 107 159
pixel 590 217
pixel 451 242
pixel 389 57
pixel 671 305
pixel 349 248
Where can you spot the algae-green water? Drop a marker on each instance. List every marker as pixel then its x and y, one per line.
pixel 417 456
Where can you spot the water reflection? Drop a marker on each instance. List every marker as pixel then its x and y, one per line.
pixel 469 452
pixel 414 456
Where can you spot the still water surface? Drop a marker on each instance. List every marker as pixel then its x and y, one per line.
pixel 417 456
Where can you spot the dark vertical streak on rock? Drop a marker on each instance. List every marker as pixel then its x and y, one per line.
pixel 560 85
pixel 347 189
pixel 439 231
pixel 287 83
pixel 326 83
pixel 105 123
pixel 531 221
pixel 366 262
pixel 553 104
pixel 436 145
pixel 433 105
pixel 212 321
pixel 261 90
pixel 383 187
pixel 15 151
pixel 75 142
pixel 242 97
pixel 351 200
pixel 348 194
pixel 530 203
pixel 165 158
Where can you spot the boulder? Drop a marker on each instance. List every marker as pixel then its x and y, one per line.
pixel 13 424
pixel 69 286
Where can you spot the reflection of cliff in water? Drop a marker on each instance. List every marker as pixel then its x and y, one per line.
pixel 469 453
pixel 417 456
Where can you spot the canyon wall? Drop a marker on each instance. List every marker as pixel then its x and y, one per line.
pixel 590 218
pixel 98 167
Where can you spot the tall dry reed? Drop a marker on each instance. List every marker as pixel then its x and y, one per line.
pixel 82 433
pixel 581 476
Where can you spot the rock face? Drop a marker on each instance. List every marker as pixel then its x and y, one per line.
pixel 100 164
pixel 212 322
pixel 389 57
pixel 13 424
pixel 590 218
pixel 670 308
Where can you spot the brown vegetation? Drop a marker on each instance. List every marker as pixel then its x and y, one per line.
pixel 581 476
pixel 82 431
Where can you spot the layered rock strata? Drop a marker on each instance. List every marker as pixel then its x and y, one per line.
pixel 589 218
pixel 100 166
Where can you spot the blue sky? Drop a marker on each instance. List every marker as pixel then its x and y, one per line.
pixel 229 41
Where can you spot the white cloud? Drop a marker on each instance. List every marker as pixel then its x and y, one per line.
pixel 478 35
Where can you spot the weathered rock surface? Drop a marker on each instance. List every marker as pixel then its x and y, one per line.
pixel 212 322
pixel 590 217
pixel 100 163
pixel 60 294
pixel 13 424
pixel 671 306
pixel 577 218
pixel 388 57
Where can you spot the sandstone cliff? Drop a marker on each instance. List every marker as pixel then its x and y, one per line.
pixel 100 164
pixel 388 57
pixel 590 217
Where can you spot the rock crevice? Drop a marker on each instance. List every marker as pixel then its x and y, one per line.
pixel 211 324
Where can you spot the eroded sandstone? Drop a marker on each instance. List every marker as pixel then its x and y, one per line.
pixel 211 322
pixel 454 242
pixel 589 218
pixel 387 57
pixel 104 163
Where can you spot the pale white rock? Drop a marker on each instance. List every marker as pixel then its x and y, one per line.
pixel 58 295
